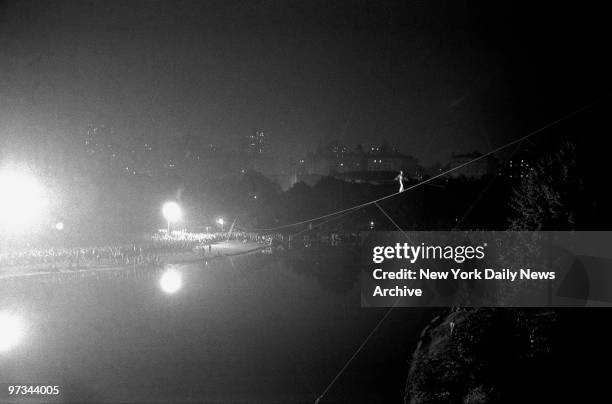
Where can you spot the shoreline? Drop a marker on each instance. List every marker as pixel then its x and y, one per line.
pixel 223 249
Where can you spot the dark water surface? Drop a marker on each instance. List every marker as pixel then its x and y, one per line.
pixel 256 328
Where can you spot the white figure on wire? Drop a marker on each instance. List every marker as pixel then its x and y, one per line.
pixel 400 178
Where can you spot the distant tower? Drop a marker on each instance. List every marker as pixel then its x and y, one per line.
pixel 257 143
pixel 98 138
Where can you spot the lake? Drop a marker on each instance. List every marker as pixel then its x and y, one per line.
pixel 253 328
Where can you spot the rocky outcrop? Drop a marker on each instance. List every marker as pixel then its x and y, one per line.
pixel 481 355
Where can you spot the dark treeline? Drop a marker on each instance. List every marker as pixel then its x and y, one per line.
pixel 440 204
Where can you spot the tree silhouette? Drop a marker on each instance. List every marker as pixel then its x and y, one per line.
pixel 547 197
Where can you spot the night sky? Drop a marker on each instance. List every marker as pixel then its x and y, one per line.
pixel 431 77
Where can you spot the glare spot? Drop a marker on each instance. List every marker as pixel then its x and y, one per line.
pixel 172 211
pixel 12 331
pixel 23 200
pixel 171 281
pixel 59 226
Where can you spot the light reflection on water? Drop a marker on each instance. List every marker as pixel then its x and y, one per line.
pixel 12 330
pixel 171 281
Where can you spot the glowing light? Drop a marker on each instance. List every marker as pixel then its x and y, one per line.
pixel 12 331
pixel 59 226
pixel 23 201
pixel 171 281
pixel 172 212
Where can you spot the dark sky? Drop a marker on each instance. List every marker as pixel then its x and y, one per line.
pixel 432 77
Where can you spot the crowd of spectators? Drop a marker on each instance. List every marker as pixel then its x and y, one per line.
pixel 147 251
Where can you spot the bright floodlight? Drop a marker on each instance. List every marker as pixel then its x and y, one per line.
pixel 172 212
pixel 171 281
pixel 12 331
pixel 59 226
pixel 22 202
